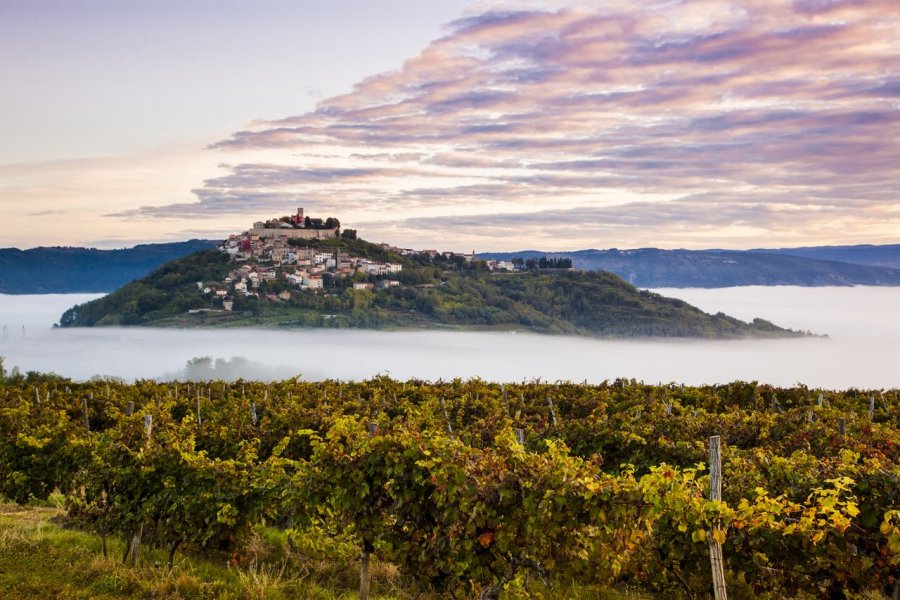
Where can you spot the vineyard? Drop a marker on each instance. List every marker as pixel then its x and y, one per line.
pixel 481 490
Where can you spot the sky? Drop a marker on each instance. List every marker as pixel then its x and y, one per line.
pixel 459 125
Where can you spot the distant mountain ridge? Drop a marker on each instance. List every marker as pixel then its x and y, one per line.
pixel 863 254
pixel 60 270
pixel 66 270
pixel 652 267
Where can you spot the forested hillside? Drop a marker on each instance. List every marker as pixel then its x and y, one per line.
pixel 61 270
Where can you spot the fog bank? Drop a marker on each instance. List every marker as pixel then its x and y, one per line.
pixel 861 351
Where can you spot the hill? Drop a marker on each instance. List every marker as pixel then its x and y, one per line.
pixel 424 291
pixel 651 267
pixel 64 270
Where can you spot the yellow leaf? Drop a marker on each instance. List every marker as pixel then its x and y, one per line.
pixel 719 535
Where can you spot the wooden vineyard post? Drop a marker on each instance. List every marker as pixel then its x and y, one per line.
pixel 366 551
pixel 136 540
pixel 84 409
pixel 552 410
pixel 520 436
pixel 872 408
pixel 715 494
pixel 446 417
pixel 505 399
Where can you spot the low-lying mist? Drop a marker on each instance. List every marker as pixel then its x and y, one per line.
pixel 861 350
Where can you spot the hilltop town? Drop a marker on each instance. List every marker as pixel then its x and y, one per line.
pixel 278 259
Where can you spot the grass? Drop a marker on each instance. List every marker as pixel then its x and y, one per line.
pixel 40 559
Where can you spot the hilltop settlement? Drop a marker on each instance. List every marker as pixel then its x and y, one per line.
pixel 295 251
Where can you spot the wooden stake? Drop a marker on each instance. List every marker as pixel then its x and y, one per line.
pixel 552 410
pixel 715 494
pixel 364 575
pixel 129 410
pixel 505 399
pixel 136 545
pixel 446 417
pixel 872 408
pixel 84 409
pixel 520 436
pixel 366 552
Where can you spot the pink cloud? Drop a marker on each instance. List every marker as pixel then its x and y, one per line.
pixel 738 101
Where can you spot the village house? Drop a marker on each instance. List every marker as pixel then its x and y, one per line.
pixel 313 282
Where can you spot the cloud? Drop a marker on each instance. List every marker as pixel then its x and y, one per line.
pixel 657 116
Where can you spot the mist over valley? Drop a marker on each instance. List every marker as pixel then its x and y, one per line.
pixel 859 351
